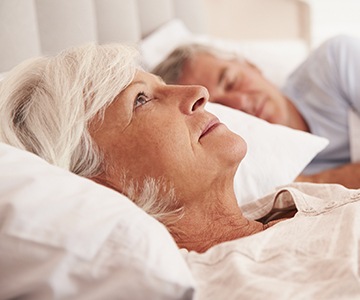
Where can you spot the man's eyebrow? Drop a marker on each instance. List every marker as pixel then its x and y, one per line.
pixel 222 75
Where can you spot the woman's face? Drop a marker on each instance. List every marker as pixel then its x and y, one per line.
pixel 237 84
pixel 162 131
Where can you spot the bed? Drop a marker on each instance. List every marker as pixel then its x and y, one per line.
pixel 58 230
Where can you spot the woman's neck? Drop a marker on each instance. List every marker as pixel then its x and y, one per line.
pixel 203 227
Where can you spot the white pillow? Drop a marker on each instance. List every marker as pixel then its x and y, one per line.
pixel 276 154
pixel 276 58
pixel 156 46
pixel 63 236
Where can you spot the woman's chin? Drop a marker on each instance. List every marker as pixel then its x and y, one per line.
pixel 234 149
pixel 240 150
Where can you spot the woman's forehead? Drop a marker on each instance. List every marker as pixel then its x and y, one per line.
pixel 146 78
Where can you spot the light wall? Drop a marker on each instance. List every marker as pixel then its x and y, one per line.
pixel 333 17
pixel 310 20
pixel 254 19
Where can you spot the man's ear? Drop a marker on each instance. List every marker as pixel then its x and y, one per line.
pixel 253 66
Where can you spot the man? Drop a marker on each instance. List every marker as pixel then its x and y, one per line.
pixel 318 97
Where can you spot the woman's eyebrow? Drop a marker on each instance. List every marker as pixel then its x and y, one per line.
pixel 138 82
pixel 142 82
pixel 160 79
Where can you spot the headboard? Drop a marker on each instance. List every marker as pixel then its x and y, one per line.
pixel 33 27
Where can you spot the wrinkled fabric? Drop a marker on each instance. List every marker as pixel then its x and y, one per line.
pixel 314 255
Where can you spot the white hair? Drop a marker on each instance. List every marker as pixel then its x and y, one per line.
pixel 47 104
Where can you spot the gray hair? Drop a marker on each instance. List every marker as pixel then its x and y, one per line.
pixel 171 68
pixel 47 104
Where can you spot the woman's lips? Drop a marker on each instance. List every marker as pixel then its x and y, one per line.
pixel 210 127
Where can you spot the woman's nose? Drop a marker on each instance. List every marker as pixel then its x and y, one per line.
pixel 194 97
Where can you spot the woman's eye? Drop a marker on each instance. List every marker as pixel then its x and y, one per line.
pixel 141 99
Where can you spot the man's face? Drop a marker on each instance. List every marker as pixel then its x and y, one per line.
pixel 237 84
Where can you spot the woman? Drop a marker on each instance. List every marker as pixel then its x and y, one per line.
pixel 93 111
